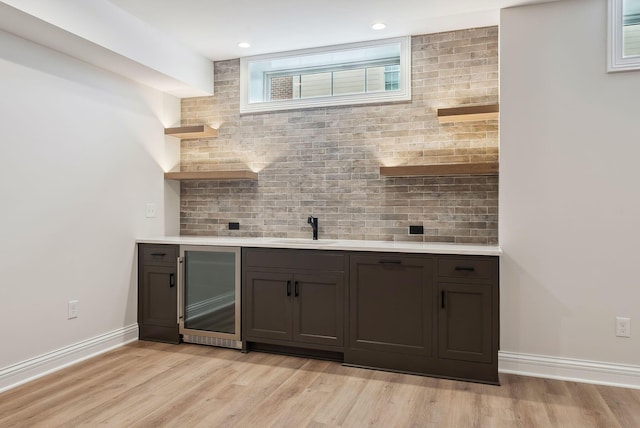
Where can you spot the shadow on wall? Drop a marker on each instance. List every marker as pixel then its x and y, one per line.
pixel 525 295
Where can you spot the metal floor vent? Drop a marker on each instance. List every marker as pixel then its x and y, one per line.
pixel 212 341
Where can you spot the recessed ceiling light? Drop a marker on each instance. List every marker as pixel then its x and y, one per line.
pixel 379 26
pixel 244 45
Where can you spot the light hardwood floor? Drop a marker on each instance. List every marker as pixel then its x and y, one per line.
pixel 148 384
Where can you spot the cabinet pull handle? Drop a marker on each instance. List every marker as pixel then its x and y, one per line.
pixel 172 280
pixel 465 268
pixel 158 254
pixel 442 299
pixel 288 288
pixel 390 262
pixel 297 289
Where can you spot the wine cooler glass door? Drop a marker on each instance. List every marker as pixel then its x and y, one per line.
pixel 210 299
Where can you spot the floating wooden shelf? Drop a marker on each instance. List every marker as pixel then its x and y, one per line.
pixel 211 175
pixel 478 168
pixel 196 131
pixel 467 114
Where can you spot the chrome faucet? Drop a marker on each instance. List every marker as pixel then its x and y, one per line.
pixel 313 221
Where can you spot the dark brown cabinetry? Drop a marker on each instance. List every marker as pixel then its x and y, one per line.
pixel 468 310
pixel 390 301
pixel 294 298
pixel 464 322
pixel 429 314
pixel 267 305
pixel 391 323
pixel 157 293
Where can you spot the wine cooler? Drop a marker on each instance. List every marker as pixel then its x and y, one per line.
pixel 209 295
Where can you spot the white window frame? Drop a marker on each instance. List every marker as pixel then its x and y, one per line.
pixel 616 61
pixel 404 94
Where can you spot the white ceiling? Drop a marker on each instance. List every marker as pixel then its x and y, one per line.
pixel 214 28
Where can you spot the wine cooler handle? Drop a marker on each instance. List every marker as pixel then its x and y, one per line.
pixel 179 290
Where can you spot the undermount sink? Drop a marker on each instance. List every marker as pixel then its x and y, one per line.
pixel 295 241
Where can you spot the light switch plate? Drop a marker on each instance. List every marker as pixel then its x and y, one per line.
pixel 150 210
pixel 72 309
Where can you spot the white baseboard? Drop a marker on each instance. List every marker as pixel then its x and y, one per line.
pixel 610 374
pixel 50 362
pixel 621 375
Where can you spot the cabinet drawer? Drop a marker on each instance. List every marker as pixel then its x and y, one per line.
pixel 467 267
pixel 158 254
pixel 294 259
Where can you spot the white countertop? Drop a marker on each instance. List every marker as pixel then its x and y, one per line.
pixel 330 244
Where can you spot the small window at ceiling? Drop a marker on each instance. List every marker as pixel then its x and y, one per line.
pixel 369 72
pixel 623 52
pixel 631 28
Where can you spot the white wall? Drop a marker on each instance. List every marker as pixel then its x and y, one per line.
pixel 569 186
pixel 82 150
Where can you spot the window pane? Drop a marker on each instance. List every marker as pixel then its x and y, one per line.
pixel 375 79
pixel 391 77
pixel 349 82
pixel 632 40
pixel 296 87
pixel 315 85
pixel 631 28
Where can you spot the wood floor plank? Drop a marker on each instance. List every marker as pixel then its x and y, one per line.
pixel 141 399
pixel 528 401
pixel 72 397
pixel 345 385
pixel 146 384
pixel 624 404
pixel 260 376
pixel 289 394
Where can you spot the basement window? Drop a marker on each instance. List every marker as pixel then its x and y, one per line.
pixel 624 35
pixel 358 73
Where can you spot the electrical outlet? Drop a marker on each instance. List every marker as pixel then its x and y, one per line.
pixel 150 210
pixel 623 327
pixel 416 230
pixel 73 309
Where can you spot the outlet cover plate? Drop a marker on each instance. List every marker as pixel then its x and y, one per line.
pixel 150 210
pixel 623 327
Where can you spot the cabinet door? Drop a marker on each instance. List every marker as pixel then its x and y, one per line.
pixel 464 322
pixel 268 305
pixel 390 304
pixel 318 309
pixel 157 303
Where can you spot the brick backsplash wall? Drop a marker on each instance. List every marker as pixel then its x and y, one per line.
pixel 325 161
